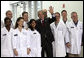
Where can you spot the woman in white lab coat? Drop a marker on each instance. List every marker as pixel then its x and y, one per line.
pixel 75 32
pixel 35 40
pixel 59 31
pixel 6 37
pixel 20 40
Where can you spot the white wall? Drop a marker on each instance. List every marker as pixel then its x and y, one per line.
pixel 70 6
pixel 4 7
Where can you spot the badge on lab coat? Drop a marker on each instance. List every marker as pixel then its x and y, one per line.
pixel 4 34
pixel 15 34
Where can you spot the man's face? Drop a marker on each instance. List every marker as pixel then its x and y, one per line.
pixel 64 15
pixel 57 17
pixel 74 17
pixel 40 15
pixel 25 16
pixel 9 14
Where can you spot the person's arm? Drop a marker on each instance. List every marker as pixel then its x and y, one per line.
pixel 52 14
pixel 52 30
pixel 2 39
pixel 82 41
pixel 14 43
pixel 82 36
pixel 28 42
pixel 39 46
pixel 37 25
pixel 66 37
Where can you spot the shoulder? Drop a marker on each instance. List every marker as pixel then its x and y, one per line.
pixel 37 20
pixel 24 30
pixel 2 28
pixel 37 32
pixel 80 22
pixel 52 24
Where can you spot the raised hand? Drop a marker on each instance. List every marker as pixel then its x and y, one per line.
pixel 51 9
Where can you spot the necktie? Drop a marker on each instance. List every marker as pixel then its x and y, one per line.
pixel 43 23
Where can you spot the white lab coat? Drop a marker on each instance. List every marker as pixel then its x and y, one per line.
pixel 67 31
pixel 21 41
pixel 75 37
pixel 25 25
pixel 59 43
pixel 6 42
pixel 35 43
pixel 67 38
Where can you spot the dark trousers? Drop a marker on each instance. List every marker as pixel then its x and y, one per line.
pixel 67 55
pixel 48 50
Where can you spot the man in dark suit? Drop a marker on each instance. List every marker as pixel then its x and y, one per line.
pixel 43 26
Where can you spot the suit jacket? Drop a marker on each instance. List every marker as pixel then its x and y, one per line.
pixel 45 31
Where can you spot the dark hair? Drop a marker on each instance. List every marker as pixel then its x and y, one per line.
pixel 18 19
pixel 6 18
pixel 30 23
pixel 57 13
pixel 24 13
pixel 63 11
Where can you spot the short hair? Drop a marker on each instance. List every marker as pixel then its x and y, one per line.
pixel 42 12
pixel 73 13
pixel 57 13
pixel 8 11
pixel 6 18
pixel 24 13
pixel 63 11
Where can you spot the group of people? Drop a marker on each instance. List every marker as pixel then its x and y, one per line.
pixel 46 35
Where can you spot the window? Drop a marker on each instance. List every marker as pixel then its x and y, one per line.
pixel 32 7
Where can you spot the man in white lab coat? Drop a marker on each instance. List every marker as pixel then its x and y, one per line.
pixel 6 37
pixel 65 22
pixel 59 32
pixel 25 16
pixel 75 32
